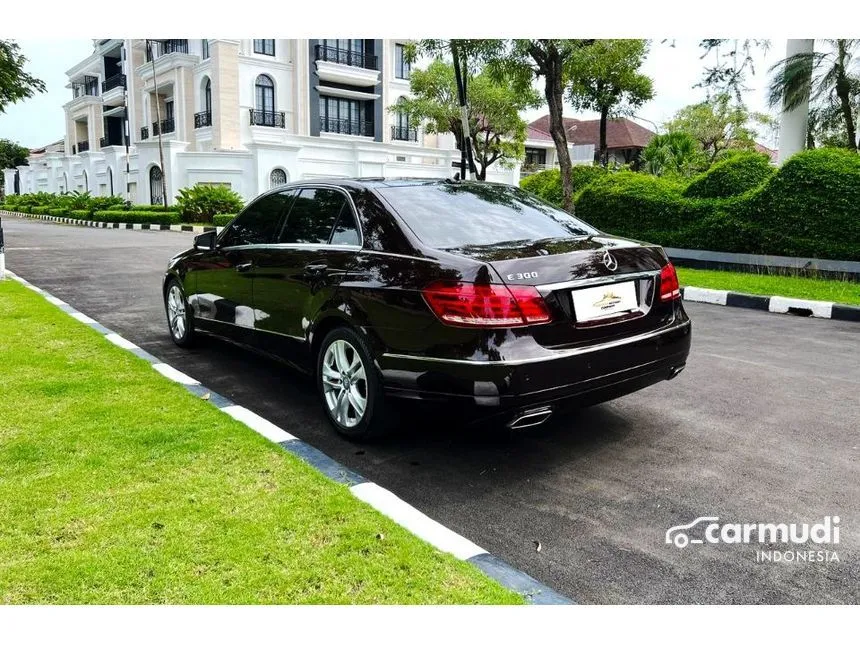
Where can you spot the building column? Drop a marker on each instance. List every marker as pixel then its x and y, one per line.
pixel 793 123
pixel 224 74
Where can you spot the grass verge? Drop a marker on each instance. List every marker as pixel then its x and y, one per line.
pixel 842 291
pixel 119 486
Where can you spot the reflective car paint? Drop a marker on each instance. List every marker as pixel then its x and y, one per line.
pixel 279 308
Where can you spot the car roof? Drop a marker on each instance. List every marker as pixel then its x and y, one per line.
pixel 368 182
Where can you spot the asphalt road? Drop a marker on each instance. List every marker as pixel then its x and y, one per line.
pixel 761 427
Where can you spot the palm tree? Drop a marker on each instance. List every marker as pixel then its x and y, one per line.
pixel 822 77
pixel 674 153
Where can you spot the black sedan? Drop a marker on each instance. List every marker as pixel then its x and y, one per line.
pixel 475 295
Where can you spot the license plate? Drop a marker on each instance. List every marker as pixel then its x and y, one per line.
pixel 603 301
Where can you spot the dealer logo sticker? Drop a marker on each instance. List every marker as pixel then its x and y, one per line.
pixel 608 301
pixel 775 540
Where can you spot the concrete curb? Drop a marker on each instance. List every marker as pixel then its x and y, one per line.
pixel 189 228
pixel 773 304
pixel 379 498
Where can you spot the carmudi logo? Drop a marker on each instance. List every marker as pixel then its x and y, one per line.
pixel 709 530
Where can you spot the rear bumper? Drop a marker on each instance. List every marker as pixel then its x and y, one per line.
pixel 584 375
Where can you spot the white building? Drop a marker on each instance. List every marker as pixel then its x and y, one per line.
pixel 248 113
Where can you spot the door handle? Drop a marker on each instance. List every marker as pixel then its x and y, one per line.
pixel 315 270
pixel 242 268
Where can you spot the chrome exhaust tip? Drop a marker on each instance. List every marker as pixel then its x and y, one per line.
pixel 530 418
pixel 674 371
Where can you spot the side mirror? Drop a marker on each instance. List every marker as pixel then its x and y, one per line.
pixel 205 241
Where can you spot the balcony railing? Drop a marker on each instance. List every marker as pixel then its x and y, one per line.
pixel 346 57
pixel 164 47
pixel 104 142
pixel 346 126
pixel 268 119
pixel 203 119
pixel 83 146
pixel 144 133
pixel 89 87
pixel 399 133
pixel 117 80
pixel 165 127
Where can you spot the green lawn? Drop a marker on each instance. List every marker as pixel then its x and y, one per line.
pixel 119 486
pixel 773 285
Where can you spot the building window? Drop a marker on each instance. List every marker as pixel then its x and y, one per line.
pixel 402 129
pixel 205 43
pixel 265 94
pixel 266 47
pixel 156 186
pixel 278 177
pixel 535 157
pixel 207 97
pixel 345 116
pixel 402 67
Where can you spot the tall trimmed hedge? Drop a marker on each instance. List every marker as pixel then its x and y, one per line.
pixel 810 207
pixel 546 184
pixel 732 176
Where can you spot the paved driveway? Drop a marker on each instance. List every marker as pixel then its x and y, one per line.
pixel 762 426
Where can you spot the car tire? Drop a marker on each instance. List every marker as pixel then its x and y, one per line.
pixel 180 322
pixel 350 387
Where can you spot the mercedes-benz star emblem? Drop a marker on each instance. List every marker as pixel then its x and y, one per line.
pixel 610 262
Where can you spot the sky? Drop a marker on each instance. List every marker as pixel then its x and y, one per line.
pixel 40 120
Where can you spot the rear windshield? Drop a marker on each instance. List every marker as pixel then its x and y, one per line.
pixel 450 215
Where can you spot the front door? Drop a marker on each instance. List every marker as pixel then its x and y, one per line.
pixel 223 278
pixel 300 275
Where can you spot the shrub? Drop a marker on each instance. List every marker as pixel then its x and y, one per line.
pixel 153 208
pixel 633 205
pixel 546 184
pixel 734 175
pixel 39 210
pixel 807 208
pixel 223 219
pixel 200 203
pixel 80 214
pixel 74 200
pixel 810 207
pixel 105 203
pixel 58 212
pixel 136 217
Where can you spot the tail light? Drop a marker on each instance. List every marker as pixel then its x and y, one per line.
pixel 486 305
pixel 669 287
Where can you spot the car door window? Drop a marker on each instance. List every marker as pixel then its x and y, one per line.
pixel 259 222
pixel 346 231
pixel 313 216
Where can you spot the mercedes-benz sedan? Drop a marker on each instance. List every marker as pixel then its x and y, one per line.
pixel 472 294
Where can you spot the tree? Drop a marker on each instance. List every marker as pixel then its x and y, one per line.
pixel 496 132
pixel 822 78
pixel 466 55
pixel 605 78
pixel 11 155
pixel 15 84
pixel 519 63
pixel 716 124
pixel 732 59
pixel 675 153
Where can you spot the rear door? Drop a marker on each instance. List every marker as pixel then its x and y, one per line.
pixel 223 301
pixel 300 275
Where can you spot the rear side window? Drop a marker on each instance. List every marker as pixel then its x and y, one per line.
pixel 319 215
pixel 258 224
pixel 453 215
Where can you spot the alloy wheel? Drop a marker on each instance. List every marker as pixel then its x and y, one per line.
pixel 344 382
pixel 176 312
